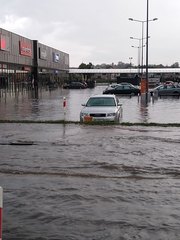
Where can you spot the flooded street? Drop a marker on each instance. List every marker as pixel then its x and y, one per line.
pixel 77 182
pixel 48 105
pixel 90 182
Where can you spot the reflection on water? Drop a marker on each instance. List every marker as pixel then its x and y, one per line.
pixel 143 109
pixel 48 105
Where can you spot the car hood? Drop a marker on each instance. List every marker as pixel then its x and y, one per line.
pixel 99 109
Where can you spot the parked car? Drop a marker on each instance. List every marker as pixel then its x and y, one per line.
pixel 166 90
pixel 123 89
pixel 75 85
pixel 101 108
pixel 114 85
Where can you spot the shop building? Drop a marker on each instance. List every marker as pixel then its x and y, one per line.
pixel 27 61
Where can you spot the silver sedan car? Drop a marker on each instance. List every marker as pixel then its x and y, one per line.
pixel 101 108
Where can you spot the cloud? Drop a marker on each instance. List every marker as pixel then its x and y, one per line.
pixel 98 30
pixel 14 23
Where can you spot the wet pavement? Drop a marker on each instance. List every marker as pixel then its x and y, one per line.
pixel 48 105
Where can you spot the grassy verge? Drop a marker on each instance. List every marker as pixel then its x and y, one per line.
pixel 151 124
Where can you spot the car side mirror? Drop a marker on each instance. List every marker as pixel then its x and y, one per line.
pixel 83 104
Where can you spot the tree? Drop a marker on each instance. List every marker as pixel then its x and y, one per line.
pixel 82 66
pixel 86 66
pixel 175 65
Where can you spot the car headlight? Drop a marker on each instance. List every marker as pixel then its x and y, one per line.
pixel 111 114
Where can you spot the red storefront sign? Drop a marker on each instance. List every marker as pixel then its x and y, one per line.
pixel 4 42
pixel 25 48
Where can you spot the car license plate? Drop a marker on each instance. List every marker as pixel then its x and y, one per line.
pixel 88 119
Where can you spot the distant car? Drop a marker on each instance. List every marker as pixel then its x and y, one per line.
pixel 75 85
pixel 169 83
pixel 166 90
pixel 123 89
pixel 101 108
pixel 114 85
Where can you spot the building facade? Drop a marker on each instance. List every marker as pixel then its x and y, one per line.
pixel 23 60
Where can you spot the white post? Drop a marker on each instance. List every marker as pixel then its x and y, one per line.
pixel 64 107
pixel 1 210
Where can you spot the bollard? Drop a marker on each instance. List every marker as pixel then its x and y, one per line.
pixel 64 107
pixel 1 210
pixel 138 97
pixel 121 111
pixel 64 103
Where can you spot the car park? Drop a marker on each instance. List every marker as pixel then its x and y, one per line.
pixel 125 89
pixel 101 108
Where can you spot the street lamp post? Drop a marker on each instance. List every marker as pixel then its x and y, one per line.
pixel 147 43
pixel 130 59
pixel 147 33
pixel 139 53
pixel 140 46
pixel 138 60
pixel 142 35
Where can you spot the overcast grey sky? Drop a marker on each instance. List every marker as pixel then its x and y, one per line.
pixel 97 31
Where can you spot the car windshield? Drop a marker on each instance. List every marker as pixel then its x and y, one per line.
pixel 101 102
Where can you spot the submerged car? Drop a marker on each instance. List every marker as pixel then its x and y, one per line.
pixel 166 90
pixel 101 108
pixel 124 89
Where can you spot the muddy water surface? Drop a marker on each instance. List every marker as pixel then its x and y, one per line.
pixel 90 182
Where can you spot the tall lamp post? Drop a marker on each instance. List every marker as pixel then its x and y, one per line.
pixel 142 34
pixel 130 59
pixel 147 43
pixel 139 39
pixel 138 60
pixel 147 33
pixel 140 46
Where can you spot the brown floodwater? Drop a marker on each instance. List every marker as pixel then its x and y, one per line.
pixel 78 181
pixel 48 105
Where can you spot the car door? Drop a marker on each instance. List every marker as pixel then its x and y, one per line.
pixel 118 90
pixel 171 89
pixel 127 89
